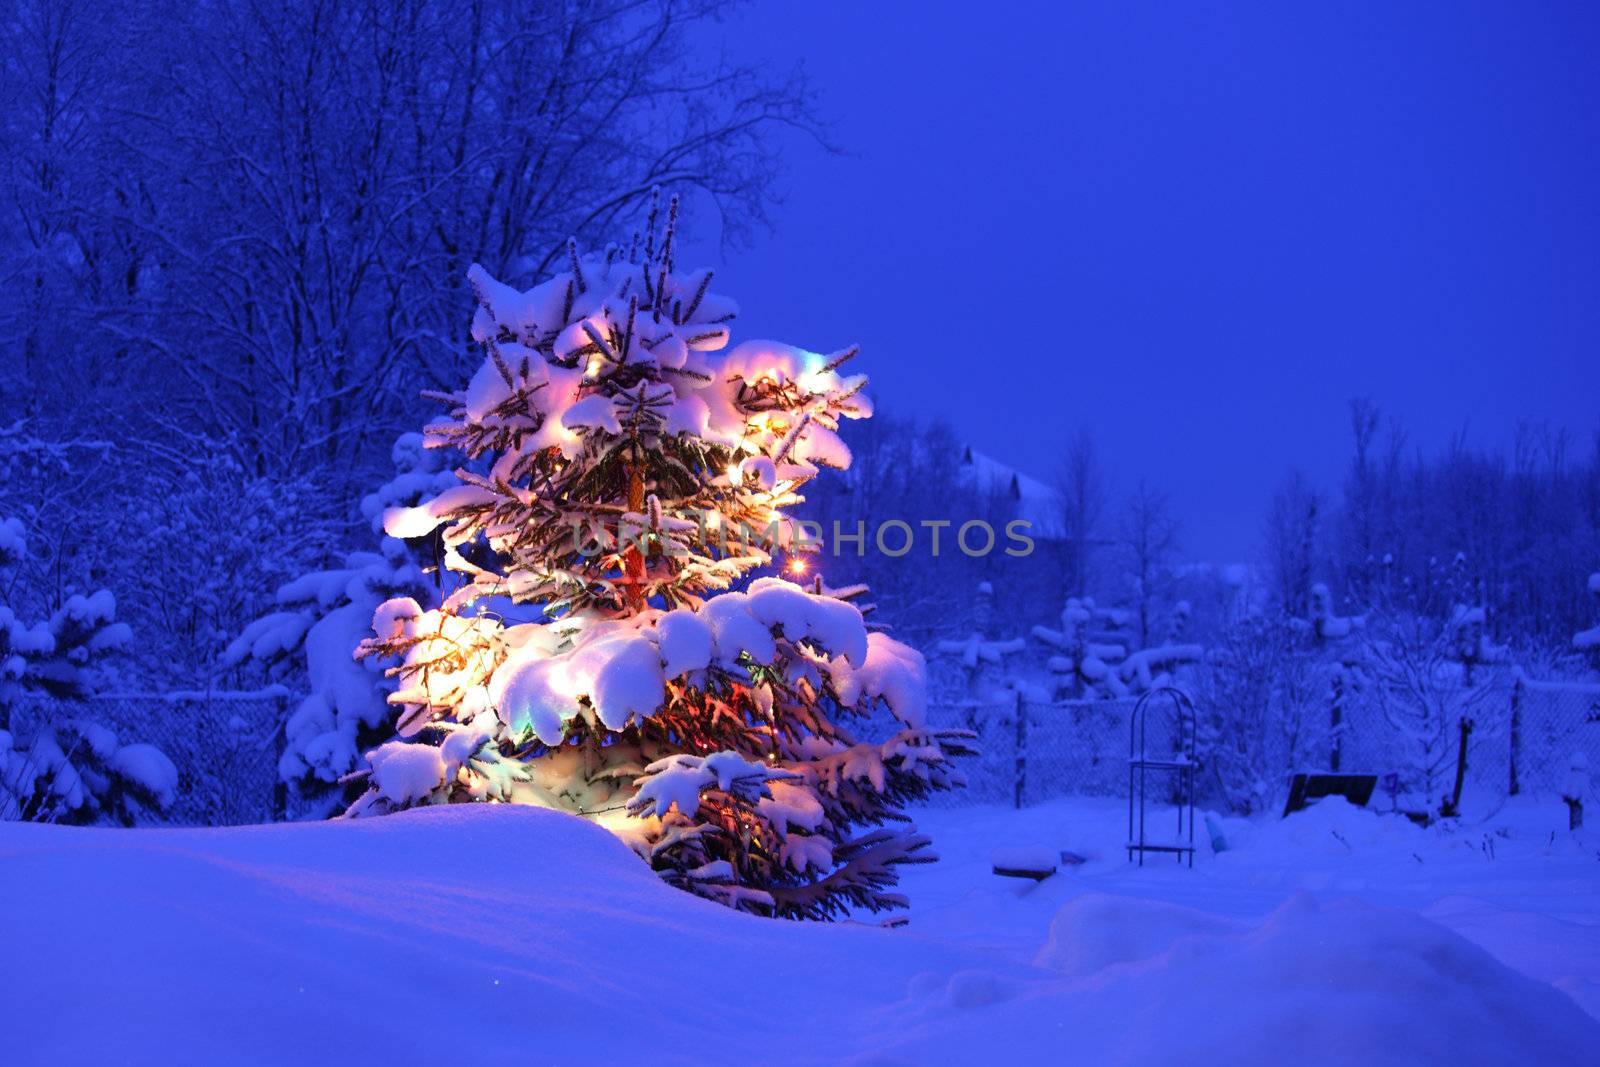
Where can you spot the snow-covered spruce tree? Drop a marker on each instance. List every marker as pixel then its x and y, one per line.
pixel 1330 639
pixel 1081 668
pixel 637 470
pixel 981 657
pixel 321 616
pixel 1088 666
pixel 67 769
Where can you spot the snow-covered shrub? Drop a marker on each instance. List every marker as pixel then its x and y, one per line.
pixel 1261 713
pixel 78 771
pixel 1587 642
pixel 74 770
pixel 1091 652
pixel 212 539
pixel 1420 670
pixel 320 618
pixel 631 470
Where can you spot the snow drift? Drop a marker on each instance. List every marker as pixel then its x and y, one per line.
pixel 508 931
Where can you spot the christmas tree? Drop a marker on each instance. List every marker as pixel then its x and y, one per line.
pixel 609 648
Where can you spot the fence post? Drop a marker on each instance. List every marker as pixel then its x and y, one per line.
pixel 1336 723
pixel 1516 732
pixel 280 788
pixel 1020 712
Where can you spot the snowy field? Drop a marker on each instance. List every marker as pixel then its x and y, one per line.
pixel 478 933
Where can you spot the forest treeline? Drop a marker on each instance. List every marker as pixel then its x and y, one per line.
pixel 234 254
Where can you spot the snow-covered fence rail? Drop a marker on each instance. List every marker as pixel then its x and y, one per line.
pixel 225 745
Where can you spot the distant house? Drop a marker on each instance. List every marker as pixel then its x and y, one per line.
pixel 1035 501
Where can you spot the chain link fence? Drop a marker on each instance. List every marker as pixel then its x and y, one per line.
pixel 1525 736
pixel 224 744
pixel 1031 751
pixel 1550 724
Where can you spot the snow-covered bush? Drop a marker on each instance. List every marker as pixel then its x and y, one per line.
pixel 1260 713
pixel 78 771
pixel 1092 658
pixel 1587 642
pixel 321 617
pixel 1420 669
pixel 631 470
pixel 74 770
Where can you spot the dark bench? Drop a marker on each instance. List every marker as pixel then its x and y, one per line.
pixel 1304 788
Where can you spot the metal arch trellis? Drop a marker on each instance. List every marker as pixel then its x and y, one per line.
pixel 1180 763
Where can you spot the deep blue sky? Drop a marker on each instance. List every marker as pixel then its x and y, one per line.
pixel 1198 231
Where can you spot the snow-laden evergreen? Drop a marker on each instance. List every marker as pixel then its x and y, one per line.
pixel 628 470
pixel 1092 659
pixel 982 657
pixel 322 616
pixel 67 768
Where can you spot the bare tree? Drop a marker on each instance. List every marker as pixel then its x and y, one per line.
pixel 1413 663
pixel 1081 485
pixel 1290 541
pixel 1505 530
pixel 1257 700
pixel 1150 537
pixel 234 235
pixel 59 257
pixel 269 206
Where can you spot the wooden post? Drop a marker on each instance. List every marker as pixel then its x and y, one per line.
pixel 280 788
pixel 1452 804
pixel 1516 733
pixel 1020 711
pixel 1335 721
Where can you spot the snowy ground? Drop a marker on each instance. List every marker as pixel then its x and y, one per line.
pixel 1517 883
pixel 1335 936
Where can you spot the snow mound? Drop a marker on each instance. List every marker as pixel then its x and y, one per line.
pixel 408 938
pixel 1096 931
pixel 1332 826
pixel 1341 982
